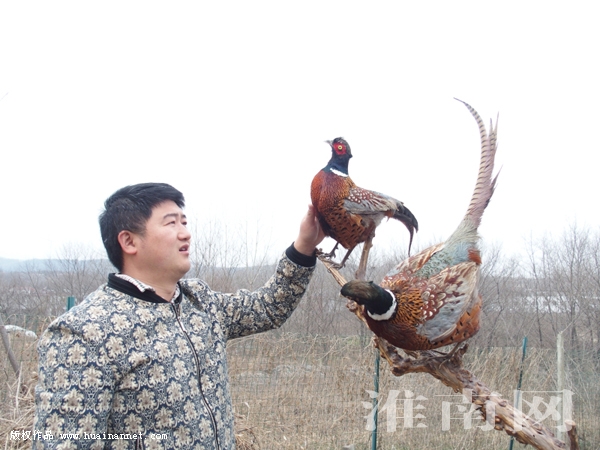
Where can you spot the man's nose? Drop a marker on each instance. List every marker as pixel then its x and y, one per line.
pixel 184 233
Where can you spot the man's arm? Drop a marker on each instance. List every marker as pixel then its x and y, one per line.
pixel 268 307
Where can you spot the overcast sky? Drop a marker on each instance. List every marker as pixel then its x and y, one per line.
pixel 230 102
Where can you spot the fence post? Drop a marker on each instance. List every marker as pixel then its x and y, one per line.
pixel 9 351
pixel 518 391
pixel 560 373
pixel 70 302
pixel 375 406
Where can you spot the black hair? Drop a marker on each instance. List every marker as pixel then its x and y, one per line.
pixel 129 209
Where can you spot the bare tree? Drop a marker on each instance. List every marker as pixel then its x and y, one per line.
pixel 229 258
pixel 502 318
pixel 564 292
pixel 76 271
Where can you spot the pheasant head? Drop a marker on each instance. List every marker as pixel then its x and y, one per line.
pixel 380 304
pixel 340 155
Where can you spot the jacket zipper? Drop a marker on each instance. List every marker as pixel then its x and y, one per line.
pixel 176 308
pixel 139 444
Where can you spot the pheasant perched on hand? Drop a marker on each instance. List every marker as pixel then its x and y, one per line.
pixel 431 299
pixel 348 213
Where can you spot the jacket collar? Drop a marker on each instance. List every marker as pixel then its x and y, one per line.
pixel 129 288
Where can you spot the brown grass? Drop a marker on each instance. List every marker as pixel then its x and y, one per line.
pixel 308 392
pixel 17 413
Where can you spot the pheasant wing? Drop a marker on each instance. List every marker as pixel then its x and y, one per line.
pixel 446 298
pixel 364 202
pixel 413 263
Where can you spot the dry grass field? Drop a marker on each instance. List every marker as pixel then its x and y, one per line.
pixel 294 391
pixel 300 392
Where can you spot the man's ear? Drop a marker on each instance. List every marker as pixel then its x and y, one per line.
pixel 128 242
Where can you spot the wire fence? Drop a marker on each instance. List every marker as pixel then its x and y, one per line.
pixel 293 391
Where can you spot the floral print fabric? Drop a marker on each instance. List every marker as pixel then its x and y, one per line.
pixel 120 372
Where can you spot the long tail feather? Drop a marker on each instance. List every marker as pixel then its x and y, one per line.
pixel 484 188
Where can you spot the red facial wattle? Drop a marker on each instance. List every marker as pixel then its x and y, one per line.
pixel 339 148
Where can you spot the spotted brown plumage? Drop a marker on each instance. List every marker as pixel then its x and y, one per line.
pixel 348 213
pixel 431 299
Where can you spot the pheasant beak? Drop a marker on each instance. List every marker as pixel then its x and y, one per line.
pixel 380 304
pixel 360 291
pixel 329 142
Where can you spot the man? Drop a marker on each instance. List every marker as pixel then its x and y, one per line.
pixel 140 363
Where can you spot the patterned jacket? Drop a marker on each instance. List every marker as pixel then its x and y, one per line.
pixel 120 372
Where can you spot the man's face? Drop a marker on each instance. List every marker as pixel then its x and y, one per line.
pixel 165 246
